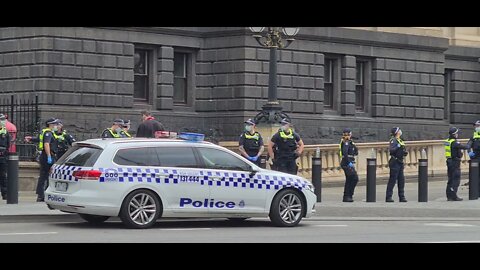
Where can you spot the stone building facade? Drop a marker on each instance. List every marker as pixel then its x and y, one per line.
pixel 209 79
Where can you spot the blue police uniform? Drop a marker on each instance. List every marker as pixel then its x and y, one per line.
pixel 46 137
pixel 348 151
pixel 397 154
pixel 453 154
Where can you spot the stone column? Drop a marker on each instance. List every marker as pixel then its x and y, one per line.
pixel 164 99
pixel 347 94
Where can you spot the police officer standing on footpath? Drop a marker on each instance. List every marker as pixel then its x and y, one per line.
pixel 397 154
pixel 5 140
pixel 64 140
pixel 284 148
pixel 48 146
pixel 251 143
pixel 453 153
pixel 473 144
pixel 126 128
pixel 348 151
pixel 116 131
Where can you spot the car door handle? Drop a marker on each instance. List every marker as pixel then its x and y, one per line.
pixel 216 178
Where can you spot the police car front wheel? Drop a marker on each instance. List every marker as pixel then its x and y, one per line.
pixel 140 209
pixel 94 219
pixel 287 208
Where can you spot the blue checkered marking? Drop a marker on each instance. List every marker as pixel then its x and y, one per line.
pixel 228 179
pixel 64 172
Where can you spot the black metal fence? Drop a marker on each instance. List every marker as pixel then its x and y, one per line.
pixel 25 115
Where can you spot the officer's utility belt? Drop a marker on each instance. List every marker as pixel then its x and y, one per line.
pixel 351 156
pixel 397 159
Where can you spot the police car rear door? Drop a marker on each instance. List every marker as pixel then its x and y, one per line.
pixel 232 187
pixel 187 188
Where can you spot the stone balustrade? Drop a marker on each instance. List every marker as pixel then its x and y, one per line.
pixel 331 171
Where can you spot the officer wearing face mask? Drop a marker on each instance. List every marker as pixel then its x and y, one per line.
pixel 5 140
pixel 348 151
pixel 251 143
pixel 284 148
pixel 116 131
pixel 49 146
pixel 453 153
pixel 64 140
pixel 397 154
pixel 126 128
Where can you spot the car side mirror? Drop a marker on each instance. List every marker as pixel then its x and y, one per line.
pixel 252 172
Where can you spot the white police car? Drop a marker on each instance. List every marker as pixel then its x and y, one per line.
pixel 140 180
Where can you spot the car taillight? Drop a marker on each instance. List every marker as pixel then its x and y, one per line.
pixel 87 175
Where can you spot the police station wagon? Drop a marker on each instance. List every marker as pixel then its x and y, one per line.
pixel 141 180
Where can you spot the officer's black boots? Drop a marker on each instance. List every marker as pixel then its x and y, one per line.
pixel 402 199
pixel 347 199
pixel 456 199
pixel 389 199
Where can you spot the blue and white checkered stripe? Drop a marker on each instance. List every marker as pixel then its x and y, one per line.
pixel 63 172
pixel 227 179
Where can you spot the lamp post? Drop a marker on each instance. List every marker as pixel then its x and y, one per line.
pixel 273 38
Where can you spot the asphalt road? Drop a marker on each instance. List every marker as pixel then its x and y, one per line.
pixel 334 222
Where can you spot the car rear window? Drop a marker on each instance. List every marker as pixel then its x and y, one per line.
pixel 144 156
pixel 80 155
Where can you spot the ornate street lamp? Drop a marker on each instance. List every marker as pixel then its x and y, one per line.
pixel 273 38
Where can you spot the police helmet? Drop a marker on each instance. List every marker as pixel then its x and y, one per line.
pixel 51 121
pixel 118 122
pixel 2 117
pixel 395 130
pixel 477 123
pixel 347 131
pixel 126 123
pixel 249 122
pixel 453 131
pixel 285 121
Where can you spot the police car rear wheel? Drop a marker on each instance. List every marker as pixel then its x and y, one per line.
pixel 287 208
pixel 94 219
pixel 140 209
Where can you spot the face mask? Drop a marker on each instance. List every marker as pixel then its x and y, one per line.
pixel 477 129
pixel 118 130
pixel 55 128
pixel 400 133
pixel 284 128
pixel 3 123
pixel 248 128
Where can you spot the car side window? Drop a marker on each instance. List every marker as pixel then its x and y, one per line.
pixel 176 157
pixel 217 159
pixel 144 156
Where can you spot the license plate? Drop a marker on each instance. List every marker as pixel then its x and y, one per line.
pixel 61 186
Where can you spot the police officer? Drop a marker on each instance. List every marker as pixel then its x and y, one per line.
pixel 284 148
pixel 397 154
pixel 453 153
pixel 64 140
pixel 116 131
pixel 48 146
pixel 5 140
pixel 474 142
pixel 126 128
pixel 348 151
pixel 251 143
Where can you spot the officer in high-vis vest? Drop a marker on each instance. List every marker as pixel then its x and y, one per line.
pixel 284 148
pixel 116 131
pixel 251 143
pixel 347 152
pixel 64 140
pixel 397 154
pixel 126 128
pixel 5 140
pixel 474 142
pixel 453 154
pixel 48 145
